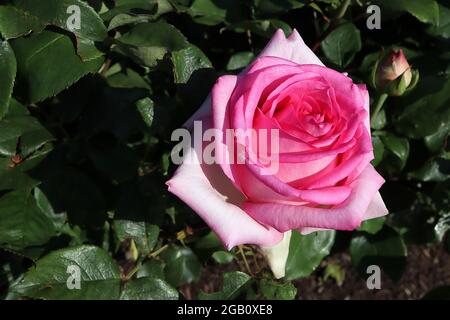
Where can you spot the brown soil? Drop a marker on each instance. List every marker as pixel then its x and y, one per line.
pixel 426 269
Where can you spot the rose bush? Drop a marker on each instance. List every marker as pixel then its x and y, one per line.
pixel 92 92
pixel 324 178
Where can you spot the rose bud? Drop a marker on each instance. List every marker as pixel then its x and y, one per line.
pixel 393 74
pixel 321 154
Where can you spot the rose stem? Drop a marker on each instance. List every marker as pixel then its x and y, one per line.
pixel 157 252
pixel 241 251
pixel 133 272
pixel 378 105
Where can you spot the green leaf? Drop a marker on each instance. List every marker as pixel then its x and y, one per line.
pixel 207 245
pixel 378 150
pixel 151 269
pixel 369 61
pixel 435 169
pixel 17 109
pixel 271 7
pixel 240 60
pixel 130 7
pixel 22 133
pixel 123 19
pixel 182 265
pixel 22 223
pixel 272 290
pixel 234 283
pixel 435 142
pixel 29 139
pixel 306 252
pixel 99 276
pixel 47 64
pixel 398 146
pixel 341 45
pixel 146 43
pixel 26 16
pixel 443 28
pixel 213 12
pixel 372 226
pixel 127 78
pixel 148 289
pixel 8 70
pixel 222 257
pixel 425 11
pixel 386 249
pixel 58 219
pixel 425 110
pixel 187 61
pixel 263 28
pixel 146 110
pixel 210 241
pixel 144 234
pixel 12 178
pixel 379 122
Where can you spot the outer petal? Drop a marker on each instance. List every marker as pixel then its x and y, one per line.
pixel 348 216
pixel 207 190
pixel 376 209
pixel 293 48
pixel 365 95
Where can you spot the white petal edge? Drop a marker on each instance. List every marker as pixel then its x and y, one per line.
pixel 292 48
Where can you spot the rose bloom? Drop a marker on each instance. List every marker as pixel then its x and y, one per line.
pixel 324 178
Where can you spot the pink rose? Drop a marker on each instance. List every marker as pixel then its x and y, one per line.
pixel 324 178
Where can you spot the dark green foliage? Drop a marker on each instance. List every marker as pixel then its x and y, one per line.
pixel 86 117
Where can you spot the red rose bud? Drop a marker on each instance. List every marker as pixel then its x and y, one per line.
pixel 393 66
pixel 393 74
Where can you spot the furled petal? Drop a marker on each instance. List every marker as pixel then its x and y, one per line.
pixel 221 93
pixel 348 216
pixel 206 189
pixel 292 48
